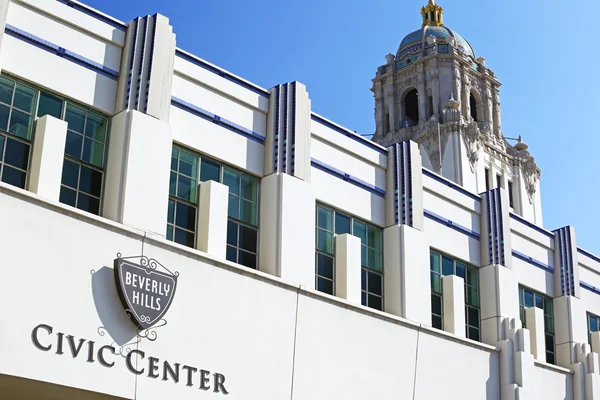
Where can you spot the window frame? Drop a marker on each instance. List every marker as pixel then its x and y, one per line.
pixel 366 268
pixel 546 300
pixel 588 318
pixel 467 286
pixel 199 157
pixel 80 162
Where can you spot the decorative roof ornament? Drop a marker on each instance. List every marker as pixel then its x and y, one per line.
pixel 433 15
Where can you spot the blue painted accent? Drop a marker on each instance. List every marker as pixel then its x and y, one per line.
pixel 532 226
pixel 95 14
pixel 589 287
pixel 141 63
pixel 410 184
pixel 396 186
pixel 131 59
pixel 346 177
pixel 563 244
pixel 276 141
pixel 222 74
pixel 532 261
pixel 588 254
pixel 451 225
pixel 293 128
pixel 61 52
pixel 349 134
pixel 285 126
pixel 217 120
pixel 150 61
pixel 451 184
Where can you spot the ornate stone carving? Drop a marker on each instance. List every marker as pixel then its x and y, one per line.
pixel 429 137
pixel 473 143
pixel 531 173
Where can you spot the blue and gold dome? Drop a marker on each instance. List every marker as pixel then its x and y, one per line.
pixel 413 45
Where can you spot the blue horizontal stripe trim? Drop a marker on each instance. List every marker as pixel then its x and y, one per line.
pixel 95 14
pixel 532 226
pixel 222 74
pixel 452 225
pixel 61 52
pixel 532 261
pixel 588 254
pixel 207 115
pixel 346 177
pixel 349 134
pixel 450 184
pixel 589 287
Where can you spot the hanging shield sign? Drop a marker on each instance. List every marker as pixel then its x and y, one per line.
pixel 145 292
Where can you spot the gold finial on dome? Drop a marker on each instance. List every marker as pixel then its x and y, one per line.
pixel 433 15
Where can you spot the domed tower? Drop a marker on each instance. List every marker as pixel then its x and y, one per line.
pixel 438 93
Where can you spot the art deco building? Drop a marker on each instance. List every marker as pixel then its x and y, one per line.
pixel 173 231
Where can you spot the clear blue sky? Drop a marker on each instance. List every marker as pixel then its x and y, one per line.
pixel 544 53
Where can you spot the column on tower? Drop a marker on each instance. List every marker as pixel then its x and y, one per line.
pixel 422 93
pixel 496 112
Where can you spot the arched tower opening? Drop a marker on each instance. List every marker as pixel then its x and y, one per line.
pixel 476 110
pixel 411 106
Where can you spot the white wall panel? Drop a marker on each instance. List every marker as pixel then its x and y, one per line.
pixel 533 277
pixel 452 242
pixel 208 78
pixel 216 103
pixel 442 364
pixel 347 197
pixel 351 145
pixel 455 213
pixel 217 142
pixel 65 35
pixel 532 249
pixel 77 18
pixel 360 357
pixel 552 385
pixel 58 74
pixel 347 162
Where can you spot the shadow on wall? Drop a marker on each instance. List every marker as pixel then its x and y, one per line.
pixel 115 321
pixel 492 385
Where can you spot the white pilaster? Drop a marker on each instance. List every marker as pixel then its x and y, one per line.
pixel 145 83
pixel 137 174
pixel 212 219
pixel 596 342
pixel 404 198
pixel 47 157
pixel 287 229
pixel 535 324
pixel 407 279
pixel 570 328
pixel 454 304
pixel 499 300
pixel 348 268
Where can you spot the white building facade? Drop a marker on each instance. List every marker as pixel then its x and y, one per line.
pixel 173 231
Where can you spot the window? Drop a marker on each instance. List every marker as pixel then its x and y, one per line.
pixel 511 200
pixel 331 223
pixel 187 170
pixel 83 168
pixel 498 181
pixel 529 298
pixel 593 323
pixel 442 265
pixel 487 179
pixel 17 105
